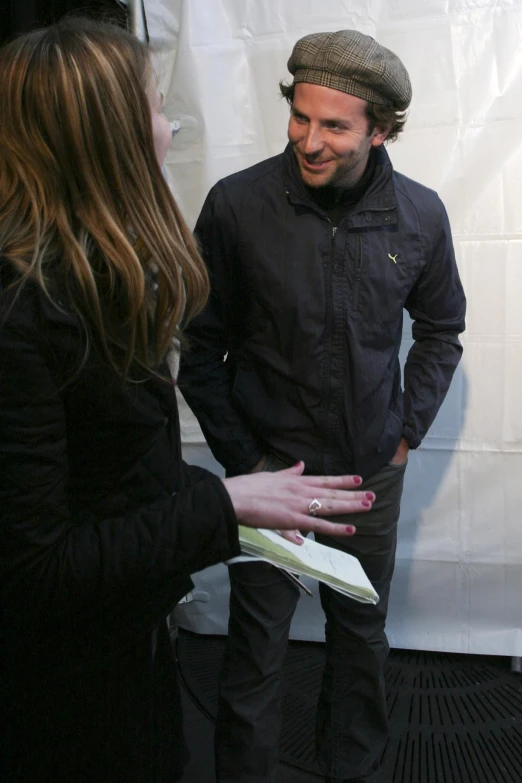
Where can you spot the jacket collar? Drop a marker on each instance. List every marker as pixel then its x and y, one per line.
pixel 379 203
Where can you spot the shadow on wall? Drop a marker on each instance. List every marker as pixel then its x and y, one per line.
pixel 429 595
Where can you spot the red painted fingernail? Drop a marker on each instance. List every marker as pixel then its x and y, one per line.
pixel 366 503
pixel 350 529
pixel 369 495
pixel 357 480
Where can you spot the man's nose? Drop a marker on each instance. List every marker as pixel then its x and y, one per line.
pixel 313 142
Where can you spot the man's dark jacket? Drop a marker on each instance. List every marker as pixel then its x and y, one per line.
pixel 309 317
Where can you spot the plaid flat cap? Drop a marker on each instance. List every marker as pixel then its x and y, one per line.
pixel 354 63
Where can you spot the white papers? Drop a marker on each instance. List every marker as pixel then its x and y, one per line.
pixel 338 570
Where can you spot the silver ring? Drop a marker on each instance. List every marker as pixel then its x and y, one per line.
pixel 314 507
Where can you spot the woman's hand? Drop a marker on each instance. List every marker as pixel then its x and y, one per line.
pixel 281 501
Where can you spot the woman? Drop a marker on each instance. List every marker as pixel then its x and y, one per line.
pixel 102 523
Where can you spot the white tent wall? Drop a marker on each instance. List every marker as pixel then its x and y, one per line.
pixel 458 578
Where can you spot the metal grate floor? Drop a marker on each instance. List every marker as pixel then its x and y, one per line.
pixel 453 718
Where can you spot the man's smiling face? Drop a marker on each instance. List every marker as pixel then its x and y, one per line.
pixel 329 133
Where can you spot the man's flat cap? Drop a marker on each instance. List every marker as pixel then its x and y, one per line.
pixel 354 63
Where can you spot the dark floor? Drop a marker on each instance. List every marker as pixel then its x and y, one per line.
pixel 453 718
pixel 199 732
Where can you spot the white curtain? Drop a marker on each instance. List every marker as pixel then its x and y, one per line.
pixel 458 578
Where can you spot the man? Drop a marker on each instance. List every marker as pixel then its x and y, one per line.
pixel 313 256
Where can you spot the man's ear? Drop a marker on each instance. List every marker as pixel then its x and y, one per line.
pixel 379 136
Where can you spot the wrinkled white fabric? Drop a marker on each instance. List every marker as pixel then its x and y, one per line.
pixel 458 578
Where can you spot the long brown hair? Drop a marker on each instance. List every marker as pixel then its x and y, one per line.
pixel 85 211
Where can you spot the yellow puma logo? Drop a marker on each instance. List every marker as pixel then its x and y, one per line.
pixel 393 258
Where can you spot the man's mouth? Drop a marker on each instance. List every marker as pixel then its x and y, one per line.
pixel 314 165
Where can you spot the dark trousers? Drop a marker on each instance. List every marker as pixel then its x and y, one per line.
pixel 352 724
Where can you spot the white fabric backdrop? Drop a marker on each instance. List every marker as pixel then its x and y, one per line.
pixel 458 580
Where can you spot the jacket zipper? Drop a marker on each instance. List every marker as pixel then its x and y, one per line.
pixel 329 321
pixel 358 273
pixel 330 295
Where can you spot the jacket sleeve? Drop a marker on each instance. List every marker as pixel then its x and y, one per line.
pixel 57 562
pixel 207 368
pixel 437 306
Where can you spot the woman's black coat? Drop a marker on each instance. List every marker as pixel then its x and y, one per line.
pixel 101 525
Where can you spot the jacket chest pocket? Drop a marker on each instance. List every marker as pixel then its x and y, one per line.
pixel 380 275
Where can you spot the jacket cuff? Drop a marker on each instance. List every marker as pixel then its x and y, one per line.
pixel 210 498
pixel 412 439
pixel 232 523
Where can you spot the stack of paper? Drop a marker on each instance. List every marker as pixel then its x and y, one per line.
pixel 339 570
